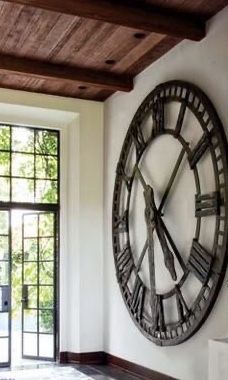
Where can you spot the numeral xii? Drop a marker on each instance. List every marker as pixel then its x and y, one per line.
pixel 158 116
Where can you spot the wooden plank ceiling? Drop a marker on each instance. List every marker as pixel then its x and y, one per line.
pixel 91 48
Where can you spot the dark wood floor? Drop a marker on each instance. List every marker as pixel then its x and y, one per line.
pixel 105 372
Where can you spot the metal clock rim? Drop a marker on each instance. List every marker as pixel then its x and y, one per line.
pixel 223 145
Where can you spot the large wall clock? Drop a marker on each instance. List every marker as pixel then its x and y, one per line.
pixel 170 213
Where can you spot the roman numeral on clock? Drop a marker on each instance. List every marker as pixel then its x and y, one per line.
pixel 158 118
pixel 125 264
pixel 120 222
pixel 182 308
pixel 139 141
pixel 199 150
pixel 207 204
pixel 159 319
pixel 200 261
pixel 121 172
pixel 137 297
pixel 180 118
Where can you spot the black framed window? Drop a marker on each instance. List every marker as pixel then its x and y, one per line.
pixel 29 165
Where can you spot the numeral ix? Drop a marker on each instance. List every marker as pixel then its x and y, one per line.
pixel 120 222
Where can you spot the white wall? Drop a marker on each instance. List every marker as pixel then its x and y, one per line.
pixel 204 63
pixel 81 189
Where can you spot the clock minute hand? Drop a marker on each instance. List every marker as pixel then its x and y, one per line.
pixel 149 218
pixel 172 178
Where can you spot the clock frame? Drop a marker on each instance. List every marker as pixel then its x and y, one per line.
pixel 208 267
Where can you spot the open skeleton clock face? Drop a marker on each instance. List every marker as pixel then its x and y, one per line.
pixel 170 210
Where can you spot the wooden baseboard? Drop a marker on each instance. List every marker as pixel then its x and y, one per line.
pixel 108 359
pixel 136 369
pixel 82 358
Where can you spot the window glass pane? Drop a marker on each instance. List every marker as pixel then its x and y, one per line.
pixel 30 320
pixel 4 349
pixel 46 167
pixel 32 297
pixel 22 165
pixel 22 139
pixel 30 273
pixel 46 142
pixel 4 222
pixel 30 249
pixel 46 248
pixel 4 138
pixel 46 191
pixel 4 273
pixel 46 273
pixel 4 163
pixel 30 344
pixel 4 324
pixel 46 346
pixel 4 247
pixel 46 321
pixel 30 225
pixel 46 297
pixel 4 189
pixel 46 224
pixel 22 190
pixel 33 164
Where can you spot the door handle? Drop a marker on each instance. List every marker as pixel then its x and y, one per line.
pixel 24 298
pixel 5 297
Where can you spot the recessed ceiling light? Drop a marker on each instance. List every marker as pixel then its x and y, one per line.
pixel 139 35
pixel 110 61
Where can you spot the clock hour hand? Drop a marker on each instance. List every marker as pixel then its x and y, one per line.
pixel 168 255
pixel 153 221
pixel 173 245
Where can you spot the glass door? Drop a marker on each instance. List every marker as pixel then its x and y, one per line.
pixel 5 292
pixel 39 285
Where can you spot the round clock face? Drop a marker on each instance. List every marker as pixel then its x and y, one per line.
pixel 170 211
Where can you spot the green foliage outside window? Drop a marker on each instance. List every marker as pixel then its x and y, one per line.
pixel 29 156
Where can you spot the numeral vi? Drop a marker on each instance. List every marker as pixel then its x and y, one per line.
pixel 182 307
pixel 158 320
pixel 137 298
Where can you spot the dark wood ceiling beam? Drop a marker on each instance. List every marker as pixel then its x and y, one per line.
pixel 62 73
pixel 137 16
